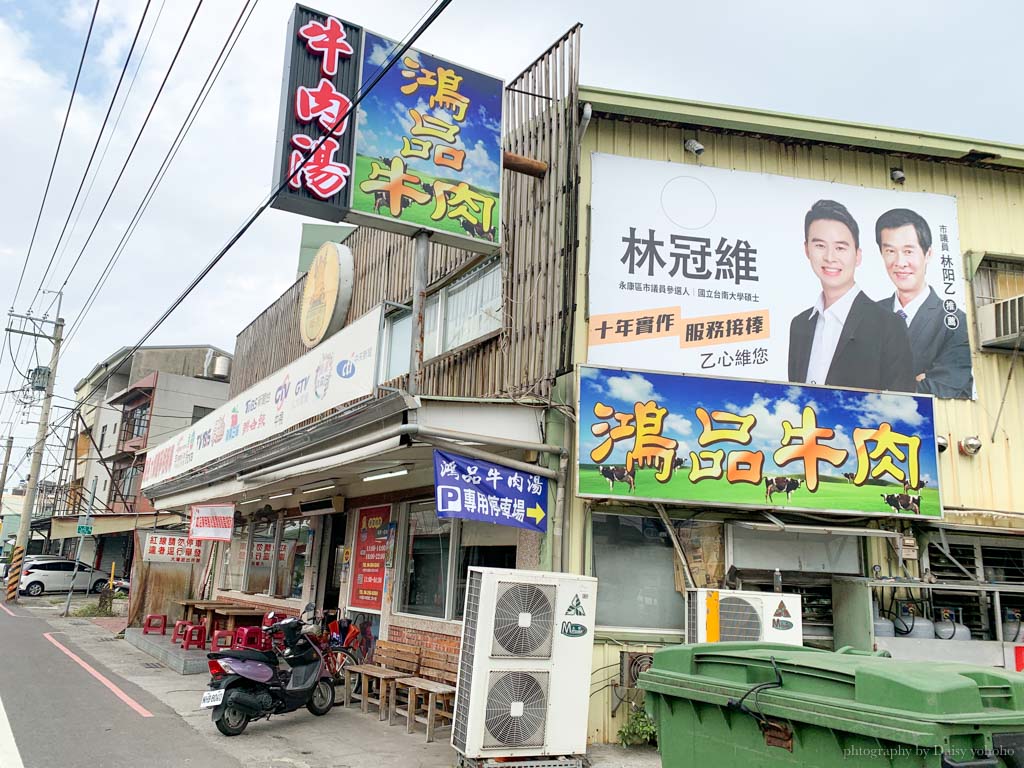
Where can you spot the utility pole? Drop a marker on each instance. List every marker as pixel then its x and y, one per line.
pixel 18 556
pixel 7 463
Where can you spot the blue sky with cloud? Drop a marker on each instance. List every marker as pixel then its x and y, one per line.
pixel 384 115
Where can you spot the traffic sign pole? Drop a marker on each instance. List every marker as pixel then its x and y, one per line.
pixel 83 531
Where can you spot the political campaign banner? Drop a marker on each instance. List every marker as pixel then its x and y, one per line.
pixel 706 441
pixel 757 276
pixel 473 489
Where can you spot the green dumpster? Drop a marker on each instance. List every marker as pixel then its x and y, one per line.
pixel 760 705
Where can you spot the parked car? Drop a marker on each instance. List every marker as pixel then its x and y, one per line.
pixel 5 568
pixel 41 576
pixel 122 586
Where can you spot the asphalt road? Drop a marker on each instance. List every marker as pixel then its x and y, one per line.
pixel 63 716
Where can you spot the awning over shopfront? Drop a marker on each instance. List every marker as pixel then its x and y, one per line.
pixel 67 527
pixel 400 442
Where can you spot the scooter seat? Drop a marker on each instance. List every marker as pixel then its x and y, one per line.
pixel 246 654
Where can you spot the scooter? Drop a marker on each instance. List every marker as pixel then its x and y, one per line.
pixel 248 685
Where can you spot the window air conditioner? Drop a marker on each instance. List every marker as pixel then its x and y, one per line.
pixel 999 323
pixel 525 664
pixel 726 616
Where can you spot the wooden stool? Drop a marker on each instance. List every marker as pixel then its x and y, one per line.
pixel 154 622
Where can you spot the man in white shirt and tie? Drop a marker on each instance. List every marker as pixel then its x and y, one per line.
pixel 845 339
pixel 938 338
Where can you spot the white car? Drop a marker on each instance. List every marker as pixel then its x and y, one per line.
pixel 41 576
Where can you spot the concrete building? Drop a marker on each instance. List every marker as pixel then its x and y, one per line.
pixel 345 497
pixel 152 394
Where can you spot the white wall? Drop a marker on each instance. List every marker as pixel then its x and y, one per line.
pixel 173 402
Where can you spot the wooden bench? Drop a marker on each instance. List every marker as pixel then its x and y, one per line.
pixel 435 684
pixel 391 662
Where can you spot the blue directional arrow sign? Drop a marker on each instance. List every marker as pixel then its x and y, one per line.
pixel 472 489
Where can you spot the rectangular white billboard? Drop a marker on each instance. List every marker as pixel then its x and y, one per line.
pixel 758 276
pixel 342 369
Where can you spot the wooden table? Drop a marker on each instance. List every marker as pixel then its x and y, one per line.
pixel 207 608
pixel 193 607
pixel 234 612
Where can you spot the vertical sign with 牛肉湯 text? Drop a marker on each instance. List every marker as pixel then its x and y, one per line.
pixel 321 80
pixel 368 559
pixel 428 149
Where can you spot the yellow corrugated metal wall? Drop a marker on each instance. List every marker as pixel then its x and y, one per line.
pixel 990 207
pixel 991 219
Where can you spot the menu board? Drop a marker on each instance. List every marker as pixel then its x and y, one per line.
pixel 368 558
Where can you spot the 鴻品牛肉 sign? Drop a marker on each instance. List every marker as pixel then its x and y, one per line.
pixel 473 489
pixel 756 445
pixel 420 151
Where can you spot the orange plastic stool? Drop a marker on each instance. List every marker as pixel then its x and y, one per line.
pixel 219 636
pixel 195 637
pixel 181 628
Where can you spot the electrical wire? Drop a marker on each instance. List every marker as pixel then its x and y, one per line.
pixel 251 219
pixel 56 154
pixel 88 192
pixel 135 144
pixel 95 147
pixel 110 140
pixel 147 198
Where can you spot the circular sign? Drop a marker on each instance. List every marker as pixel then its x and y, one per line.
pixel 327 293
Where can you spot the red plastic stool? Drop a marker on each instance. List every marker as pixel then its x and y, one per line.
pixel 195 637
pixel 154 622
pixel 180 630
pixel 220 635
pixel 252 637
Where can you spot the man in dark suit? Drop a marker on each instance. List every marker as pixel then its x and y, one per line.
pixel 845 339
pixel 938 339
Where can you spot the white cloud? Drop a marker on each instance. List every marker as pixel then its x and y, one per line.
pixel 380 54
pixel 632 388
pixel 876 408
pixel 589 373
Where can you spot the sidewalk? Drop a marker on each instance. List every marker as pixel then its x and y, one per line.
pixel 341 739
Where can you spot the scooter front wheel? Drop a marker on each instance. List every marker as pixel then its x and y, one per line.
pixel 232 721
pixel 322 700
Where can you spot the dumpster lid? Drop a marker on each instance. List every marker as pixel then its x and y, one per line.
pixel 851 679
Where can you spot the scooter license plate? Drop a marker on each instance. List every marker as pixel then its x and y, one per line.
pixel 212 699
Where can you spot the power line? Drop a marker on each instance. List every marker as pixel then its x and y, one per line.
pixel 135 144
pixel 95 146
pixel 365 90
pixel 88 192
pixel 186 126
pixel 56 154
pixel 110 138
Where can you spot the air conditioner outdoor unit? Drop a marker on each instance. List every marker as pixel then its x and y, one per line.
pixel 524 669
pixel 999 323
pixel 721 615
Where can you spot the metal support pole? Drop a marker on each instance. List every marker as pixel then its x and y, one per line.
pixel 421 258
pixel 78 552
pixel 25 527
